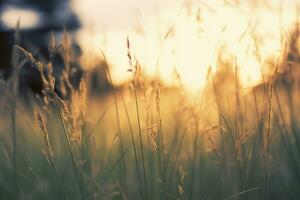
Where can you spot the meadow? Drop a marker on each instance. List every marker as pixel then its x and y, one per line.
pixel 146 140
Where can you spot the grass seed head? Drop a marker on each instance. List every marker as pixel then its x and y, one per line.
pixel 46 148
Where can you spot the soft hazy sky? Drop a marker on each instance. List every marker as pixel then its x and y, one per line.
pixel 198 30
pixel 118 14
pixel 191 48
pixel 122 13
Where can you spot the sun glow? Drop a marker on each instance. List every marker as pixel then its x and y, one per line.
pixel 189 38
pixel 29 18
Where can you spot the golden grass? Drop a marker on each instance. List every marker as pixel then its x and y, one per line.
pixel 160 144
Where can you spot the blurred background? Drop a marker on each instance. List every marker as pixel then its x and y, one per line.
pixel 169 37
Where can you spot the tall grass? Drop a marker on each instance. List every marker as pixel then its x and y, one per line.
pixel 227 144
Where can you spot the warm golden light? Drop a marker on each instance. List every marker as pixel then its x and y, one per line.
pixel 189 37
pixel 150 99
pixel 29 18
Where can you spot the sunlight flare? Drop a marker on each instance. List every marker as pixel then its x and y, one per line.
pixel 189 38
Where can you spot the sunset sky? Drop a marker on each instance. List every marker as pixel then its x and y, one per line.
pixel 197 31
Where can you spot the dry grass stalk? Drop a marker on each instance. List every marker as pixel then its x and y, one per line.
pixel 46 149
pixel 65 115
pixel 268 130
pixel 133 88
pixel 182 175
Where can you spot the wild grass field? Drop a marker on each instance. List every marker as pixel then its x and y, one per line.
pixel 149 141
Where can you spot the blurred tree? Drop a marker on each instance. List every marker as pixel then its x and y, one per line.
pixel 43 5
pixel 55 16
